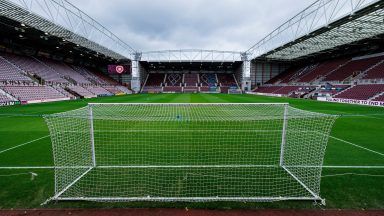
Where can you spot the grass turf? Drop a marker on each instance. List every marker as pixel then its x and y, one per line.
pixel 343 188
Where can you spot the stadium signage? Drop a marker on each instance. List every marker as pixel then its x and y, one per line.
pixel 358 102
pixel 118 69
pixel 10 103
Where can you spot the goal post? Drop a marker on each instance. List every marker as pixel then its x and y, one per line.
pixel 188 152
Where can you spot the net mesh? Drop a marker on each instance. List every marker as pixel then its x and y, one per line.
pixel 188 152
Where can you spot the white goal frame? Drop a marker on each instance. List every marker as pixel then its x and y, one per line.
pixel 314 195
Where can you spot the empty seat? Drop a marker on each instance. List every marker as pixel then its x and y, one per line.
pixel 9 72
pixel 352 68
pixel 33 93
pixel 362 92
pixel 191 79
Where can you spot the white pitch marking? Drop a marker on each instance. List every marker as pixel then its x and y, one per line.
pixel 353 174
pixel 14 147
pixel 353 144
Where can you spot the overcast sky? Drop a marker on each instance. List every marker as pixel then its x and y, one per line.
pixel 149 25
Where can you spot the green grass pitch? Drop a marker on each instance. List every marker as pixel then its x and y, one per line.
pixel 353 176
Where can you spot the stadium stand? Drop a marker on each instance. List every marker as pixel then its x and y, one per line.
pixel 208 82
pixel 330 90
pixel 4 99
pixel 227 82
pixel 66 72
pixel 376 72
pixel 352 69
pixel 31 93
pixel 35 68
pixel 283 77
pixel 9 72
pixel 321 70
pixel 362 92
pixel 92 77
pixel 30 79
pixel 154 83
pixel 191 83
pixel 98 91
pixel 191 79
pixel 267 89
pixel 173 83
pixel 208 79
pixel 379 98
pixel 292 91
pixel 117 90
pixel 358 78
pixel 80 91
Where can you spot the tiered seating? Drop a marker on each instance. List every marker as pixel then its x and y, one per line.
pixel 9 72
pixel 321 70
pixel 173 83
pixel 81 91
pixel 283 77
pixel 286 90
pixel 297 74
pixel 34 67
pixel 381 98
pixel 4 99
pixel 362 92
pixel 208 79
pixel 90 76
pixel 267 89
pixel 66 71
pixel 226 81
pixel 352 68
pixel 97 90
pixel 123 89
pixel 33 93
pixel 376 72
pixel 191 83
pixel 191 79
pixel 154 83
pixel 113 89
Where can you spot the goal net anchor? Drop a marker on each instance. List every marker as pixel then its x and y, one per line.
pixel 188 152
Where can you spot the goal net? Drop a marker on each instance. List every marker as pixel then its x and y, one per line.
pixel 188 152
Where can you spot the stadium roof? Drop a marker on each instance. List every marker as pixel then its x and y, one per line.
pixel 191 55
pixel 322 27
pixel 61 19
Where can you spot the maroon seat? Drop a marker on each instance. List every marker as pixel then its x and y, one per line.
pixel 362 92
pixel 191 79
pixel 381 98
pixel 352 68
pixel 376 72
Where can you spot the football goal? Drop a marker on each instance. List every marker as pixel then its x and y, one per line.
pixel 188 152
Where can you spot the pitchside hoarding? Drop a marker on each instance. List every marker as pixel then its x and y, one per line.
pixel 119 69
pixel 353 101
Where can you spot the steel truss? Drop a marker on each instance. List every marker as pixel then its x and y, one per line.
pixel 324 25
pixel 191 55
pixel 62 19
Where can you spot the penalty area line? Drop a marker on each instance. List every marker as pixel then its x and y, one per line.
pixel 23 144
pixel 358 146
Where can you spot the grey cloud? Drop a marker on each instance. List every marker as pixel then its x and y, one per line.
pixel 202 24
